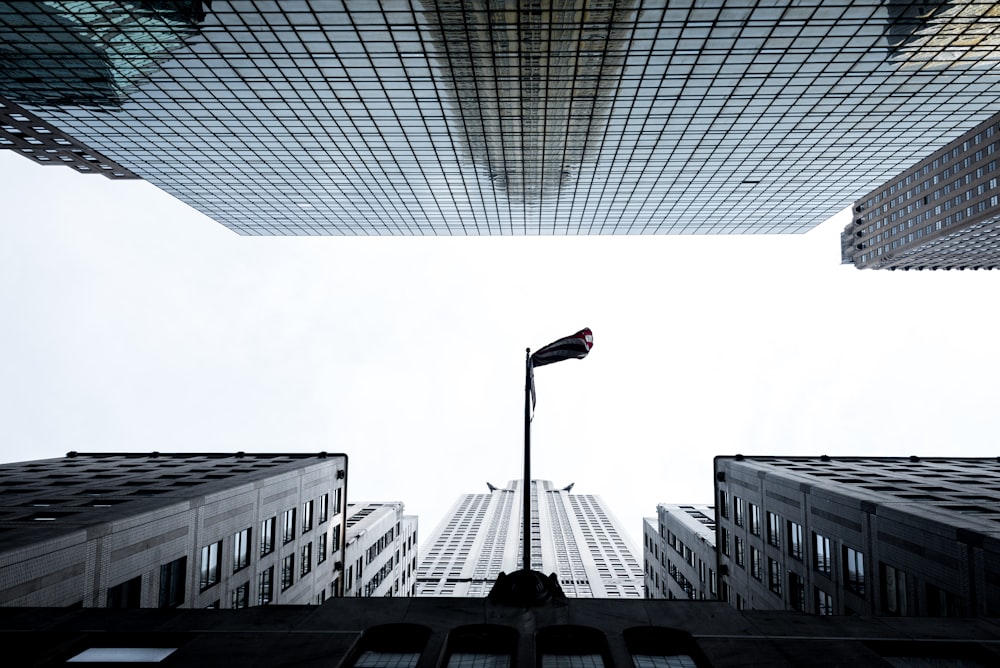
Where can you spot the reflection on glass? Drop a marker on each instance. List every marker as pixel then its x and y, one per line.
pixel 531 84
pixel 88 52
pixel 941 34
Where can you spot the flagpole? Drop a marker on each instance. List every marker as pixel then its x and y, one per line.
pixel 526 521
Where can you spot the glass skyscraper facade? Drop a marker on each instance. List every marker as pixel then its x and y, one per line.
pixel 378 117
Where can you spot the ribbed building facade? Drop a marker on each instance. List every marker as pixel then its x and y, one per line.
pixel 941 213
pixel 522 117
pixel 159 530
pixel 574 536
pixel 381 550
pixel 916 536
pixel 679 555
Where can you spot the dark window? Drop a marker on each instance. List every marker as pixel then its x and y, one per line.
pixel 796 591
pixel 321 548
pixel 795 540
pixel 773 530
pixel 307 516
pixel 754 519
pixel 210 564
pixel 265 586
pixel 824 603
pixel 774 576
pixel 288 526
pixel 740 552
pixel 241 550
pixel 126 594
pixel 241 596
pixel 172 579
pixel 854 570
pixel 894 593
pixel 287 572
pixel 335 541
pixel 324 508
pixel 941 603
pixel 724 503
pixel 306 559
pixel 822 560
pixel 267 536
pixel 755 562
pixel 740 511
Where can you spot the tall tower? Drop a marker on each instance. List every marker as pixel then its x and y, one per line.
pixel 572 535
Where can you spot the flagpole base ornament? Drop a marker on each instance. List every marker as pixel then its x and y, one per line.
pixel 526 588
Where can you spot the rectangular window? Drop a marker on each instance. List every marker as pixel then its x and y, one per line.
pixel 306 561
pixel 241 550
pixel 824 603
pixel 740 552
pixel 739 506
pixel 321 549
pixel 854 570
pixel 822 561
pixel 307 516
pixel 754 519
pixel 126 595
pixel 241 596
pixel 336 501
pixel 288 526
pixel 725 542
pixel 894 593
pixel 265 586
pixel 774 576
pixel 172 578
pixel 287 572
pixel 324 508
pixel 267 536
pixel 773 530
pixel 755 562
pixel 335 541
pixel 210 564
pixel 795 547
pixel 796 591
pixel 724 503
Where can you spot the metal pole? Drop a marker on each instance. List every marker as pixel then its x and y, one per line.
pixel 526 517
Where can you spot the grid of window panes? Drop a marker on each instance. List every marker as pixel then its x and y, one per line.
pixel 417 117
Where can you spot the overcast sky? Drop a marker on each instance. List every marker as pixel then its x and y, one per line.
pixel 130 322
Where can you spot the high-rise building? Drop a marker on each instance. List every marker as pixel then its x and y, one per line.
pixel 380 557
pixel 414 117
pixel 679 552
pixel 941 213
pixel 165 530
pixel 572 535
pixel 860 535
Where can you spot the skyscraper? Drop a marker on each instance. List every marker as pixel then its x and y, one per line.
pixel 679 552
pixel 520 117
pixel 128 530
pixel 380 556
pixel 867 535
pixel 572 535
pixel 942 213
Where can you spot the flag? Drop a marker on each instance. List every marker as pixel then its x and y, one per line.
pixel 572 347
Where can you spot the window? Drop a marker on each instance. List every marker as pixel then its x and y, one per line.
pixel 796 591
pixel 172 578
pixel 821 548
pixel 241 550
pixel 824 603
pixel 740 552
pixel 725 542
pixel 795 549
pixel 306 561
pixel 210 564
pixel 267 536
pixel 265 586
pixel 894 595
pixel 335 541
pixel 336 501
pixel 773 530
pixel 126 595
pixel 287 572
pixel 755 562
pixel 724 503
pixel 307 516
pixel 754 519
pixel 241 596
pixel 324 508
pixel 854 570
pixel 774 576
pixel 321 549
pixel 740 508
pixel 288 526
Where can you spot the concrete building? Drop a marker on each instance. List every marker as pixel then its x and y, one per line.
pixel 470 117
pixel 679 555
pixel 129 530
pixel 860 535
pixel 465 633
pixel 941 213
pixel 574 536
pixel 381 551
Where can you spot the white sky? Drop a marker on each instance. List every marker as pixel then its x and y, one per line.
pixel 129 322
